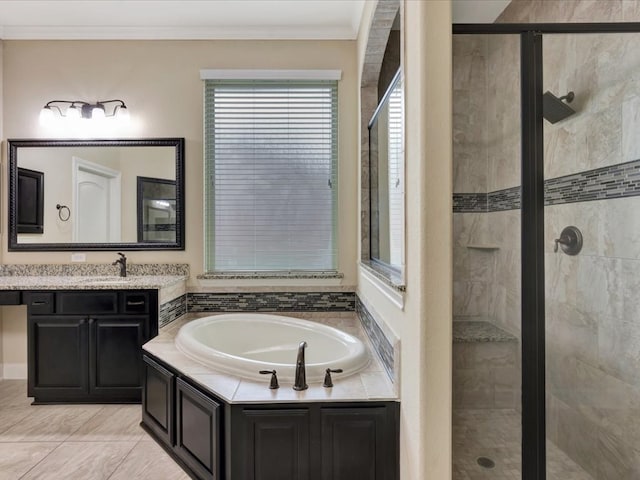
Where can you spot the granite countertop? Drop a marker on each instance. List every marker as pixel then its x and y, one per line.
pixel 371 384
pixel 88 282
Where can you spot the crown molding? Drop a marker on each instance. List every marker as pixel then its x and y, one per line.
pixel 84 32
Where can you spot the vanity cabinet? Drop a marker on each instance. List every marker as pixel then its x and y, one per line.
pixel 85 345
pixel 185 420
pixel 276 443
pixel 212 439
pixel 315 441
pixel 198 435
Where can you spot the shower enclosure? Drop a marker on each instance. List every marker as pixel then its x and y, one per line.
pixel 547 251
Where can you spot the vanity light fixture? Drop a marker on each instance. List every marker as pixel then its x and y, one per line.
pixel 77 109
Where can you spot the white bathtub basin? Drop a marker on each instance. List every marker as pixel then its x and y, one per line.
pixel 242 344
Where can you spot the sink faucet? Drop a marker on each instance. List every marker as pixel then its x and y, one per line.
pixel 300 382
pixel 123 264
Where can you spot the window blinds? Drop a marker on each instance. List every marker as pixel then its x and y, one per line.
pixel 396 176
pixel 270 175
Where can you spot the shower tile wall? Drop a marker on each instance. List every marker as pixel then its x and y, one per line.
pixel 486 279
pixel 592 303
pixel 486 159
pixel 592 312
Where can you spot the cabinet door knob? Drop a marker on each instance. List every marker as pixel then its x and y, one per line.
pixel 135 304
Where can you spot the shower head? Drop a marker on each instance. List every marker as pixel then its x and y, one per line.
pixel 554 109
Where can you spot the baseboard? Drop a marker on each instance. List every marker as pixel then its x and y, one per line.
pixel 14 371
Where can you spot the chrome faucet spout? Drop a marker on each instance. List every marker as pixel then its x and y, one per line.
pixel 300 382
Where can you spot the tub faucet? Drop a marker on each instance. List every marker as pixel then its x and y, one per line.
pixel 300 382
pixel 123 264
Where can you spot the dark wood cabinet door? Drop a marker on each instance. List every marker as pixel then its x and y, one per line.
pixel 277 444
pixel 116 356
pixel 158 401
pixel 198 442
pixel 57 351
pixel 358 443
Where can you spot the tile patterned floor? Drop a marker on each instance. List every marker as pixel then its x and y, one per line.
pixel 495 434
pixel 83 442
pixel 100 442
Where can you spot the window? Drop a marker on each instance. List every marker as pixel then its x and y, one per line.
pixel 270 175
pixel 386 179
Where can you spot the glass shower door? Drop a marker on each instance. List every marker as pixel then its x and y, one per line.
pixel 487 156
pixel 592 255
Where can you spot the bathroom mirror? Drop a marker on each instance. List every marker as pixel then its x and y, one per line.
pixel 386 178
pixel 96 196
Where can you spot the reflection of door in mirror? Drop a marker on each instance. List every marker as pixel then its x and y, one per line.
pixel 97 202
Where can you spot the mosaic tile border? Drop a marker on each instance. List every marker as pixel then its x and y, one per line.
pixel 470 202
pixel 605 183
pixel 507 199
pixel 380 342
pixel 172 310
pixel 615 181
pixel 271 302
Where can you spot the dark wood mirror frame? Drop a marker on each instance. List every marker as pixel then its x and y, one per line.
pixel 14 145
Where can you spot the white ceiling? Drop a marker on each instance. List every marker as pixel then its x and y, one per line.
pixel 202 19
pixel 181 19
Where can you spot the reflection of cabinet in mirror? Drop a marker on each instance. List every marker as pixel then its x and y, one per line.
pixel 30 201
pixel 97 180
pixel 156 202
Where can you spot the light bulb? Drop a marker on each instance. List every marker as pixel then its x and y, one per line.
pixel 122 114
pixel 73 113
pixel 46 116
pixel 97 113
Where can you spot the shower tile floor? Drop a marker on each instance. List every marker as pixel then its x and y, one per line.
pixel 76 442
pixel 495 434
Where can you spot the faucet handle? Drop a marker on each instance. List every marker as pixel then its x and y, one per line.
pixel 274 378
pixel 122 255
pixel 327 377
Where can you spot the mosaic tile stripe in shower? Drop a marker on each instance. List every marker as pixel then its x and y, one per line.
pixel 615 181
pixel 172 310
pixel 469 202
pixel 507 199
pixel 271 302
pixel 380 342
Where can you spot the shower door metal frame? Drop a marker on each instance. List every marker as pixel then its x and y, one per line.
pixel 532 223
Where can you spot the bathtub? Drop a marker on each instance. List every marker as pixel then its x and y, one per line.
pixel 241 344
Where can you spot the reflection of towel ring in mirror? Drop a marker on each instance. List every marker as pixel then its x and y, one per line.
pixel 62 216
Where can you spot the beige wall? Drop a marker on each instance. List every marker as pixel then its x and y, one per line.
pixel 160 82
pixel 424 323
